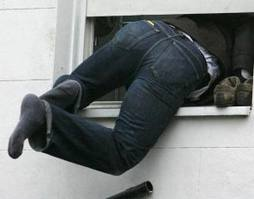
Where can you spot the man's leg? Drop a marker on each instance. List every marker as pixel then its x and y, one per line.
pixel 152 99
pixel 142 119
pixel 107 69
pixel 32 119
pixel 66 94
pixel 168 73
pixel 110 67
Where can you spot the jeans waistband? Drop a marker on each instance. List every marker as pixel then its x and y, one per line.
pixel 167 30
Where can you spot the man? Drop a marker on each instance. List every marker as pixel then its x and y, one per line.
pixel 230 38
pixel 162 64
pixel 237 89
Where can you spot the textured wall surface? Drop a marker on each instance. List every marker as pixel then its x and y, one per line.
pixel 195 158
pixel 27 40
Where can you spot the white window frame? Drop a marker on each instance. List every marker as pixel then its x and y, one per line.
pixel 74 40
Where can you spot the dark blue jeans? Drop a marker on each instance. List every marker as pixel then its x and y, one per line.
pixel 160 66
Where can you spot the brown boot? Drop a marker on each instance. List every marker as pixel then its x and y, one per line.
pixel 244 93
pixel 225 92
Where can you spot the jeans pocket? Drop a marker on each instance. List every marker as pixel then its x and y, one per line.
pixel 195 58
pixel 174 68
pixel 133 33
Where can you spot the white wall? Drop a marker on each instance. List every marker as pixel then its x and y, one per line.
pixel 196 158
pixel 27 37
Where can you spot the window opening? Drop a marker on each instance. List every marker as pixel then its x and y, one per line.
pixel 105 29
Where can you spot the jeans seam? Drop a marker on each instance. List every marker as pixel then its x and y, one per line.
pixel 181 35
pixel 137 39
pixel 141 38
pixel 78 101
pixel 200 62
pixel 187 57
pixel 154 72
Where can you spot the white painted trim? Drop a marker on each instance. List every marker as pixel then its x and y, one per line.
pixel 110 109
pixel 89 38
pixel 70 34
pixel 78 31
pixel 163 7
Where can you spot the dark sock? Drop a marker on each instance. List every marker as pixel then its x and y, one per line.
pixel 32 119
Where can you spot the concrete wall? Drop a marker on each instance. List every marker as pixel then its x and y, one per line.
pixel 27 37
pixel 195 158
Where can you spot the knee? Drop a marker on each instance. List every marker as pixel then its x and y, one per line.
pixel 120 170
pixel 61 79
pixel 129 160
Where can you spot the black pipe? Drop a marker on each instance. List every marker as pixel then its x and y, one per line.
pixel 138 191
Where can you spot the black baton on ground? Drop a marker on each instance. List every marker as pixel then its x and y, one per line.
pixel 138 191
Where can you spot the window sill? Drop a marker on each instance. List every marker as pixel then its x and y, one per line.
pixel 110 109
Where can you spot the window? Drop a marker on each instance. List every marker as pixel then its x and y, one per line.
pixel 75 40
